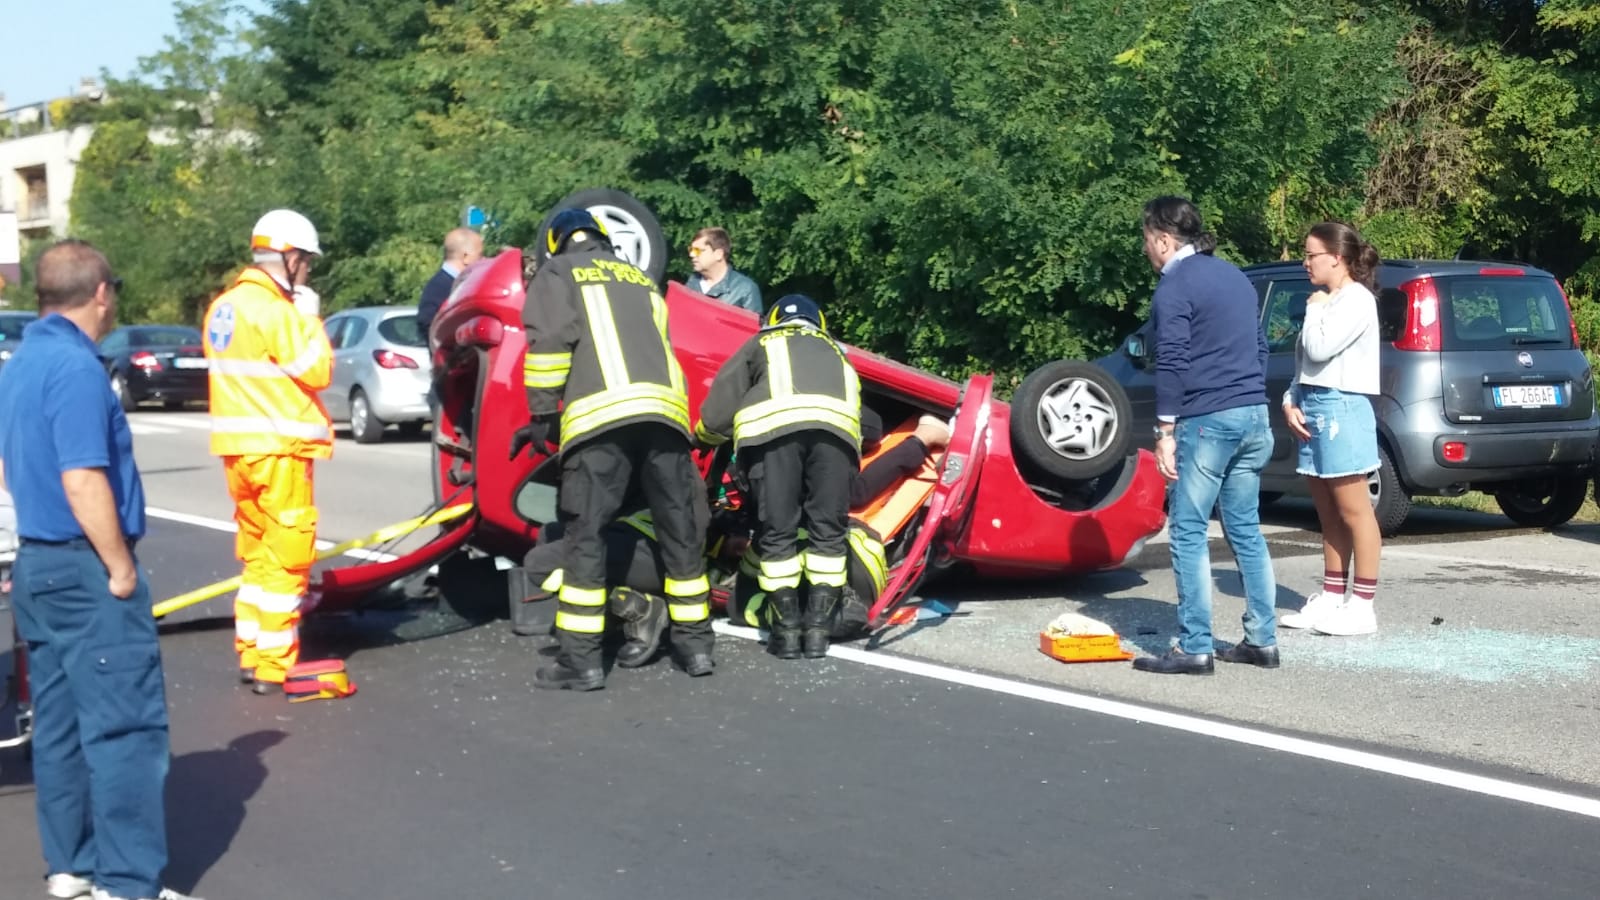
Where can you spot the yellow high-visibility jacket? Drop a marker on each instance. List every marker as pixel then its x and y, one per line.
pixel 268 361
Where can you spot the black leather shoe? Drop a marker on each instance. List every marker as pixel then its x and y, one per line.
pixel 559 677
pixel 267 689
pixel 1176 662
pixel 1251 655
pixel 699 665
pixel 247 676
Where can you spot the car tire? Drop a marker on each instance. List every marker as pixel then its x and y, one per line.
pixel 119 387
pixel 635 232
pixel 1391 502
pixel 1543 502
pixel 364 425
pixel 1071 421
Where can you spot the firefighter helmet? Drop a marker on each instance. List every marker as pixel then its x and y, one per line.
pixel 796 306
pixel 283 230
pixel 569 222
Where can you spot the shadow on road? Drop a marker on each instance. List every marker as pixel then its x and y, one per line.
pixel 207 795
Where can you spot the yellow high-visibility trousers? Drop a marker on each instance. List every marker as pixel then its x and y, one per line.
pixel 277 521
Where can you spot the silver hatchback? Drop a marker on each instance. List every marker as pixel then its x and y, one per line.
pixel 381 371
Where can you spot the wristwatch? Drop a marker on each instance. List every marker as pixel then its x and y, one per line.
pixel 1162 432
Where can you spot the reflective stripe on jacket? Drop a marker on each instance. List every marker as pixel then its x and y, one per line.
pixel 267 362
pixel 597 341
pixel 784 380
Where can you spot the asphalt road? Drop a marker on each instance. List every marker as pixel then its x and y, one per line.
pixel 851 777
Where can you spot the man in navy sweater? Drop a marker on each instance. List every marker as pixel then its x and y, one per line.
pixel 462 248
pixel 1213 437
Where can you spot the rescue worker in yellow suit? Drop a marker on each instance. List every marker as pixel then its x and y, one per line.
pixel 598 350
pixel 268 357
pixel 791 401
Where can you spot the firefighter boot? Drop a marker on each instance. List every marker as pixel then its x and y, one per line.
pixel 818 622
pixel 783 623
pixel 643 619
pixel 560 676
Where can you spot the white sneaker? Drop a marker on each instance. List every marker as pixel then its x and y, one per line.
pixel 68 887
pixel 1317 605
pixel 1355 616
pixel 166 894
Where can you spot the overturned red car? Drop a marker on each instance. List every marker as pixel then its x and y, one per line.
pixel 1049 484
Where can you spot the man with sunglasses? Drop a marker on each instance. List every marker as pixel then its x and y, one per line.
pixel 714 274
pixel 100 748
pixel 269 357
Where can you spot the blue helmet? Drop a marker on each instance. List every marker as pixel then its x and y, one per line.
pixel 795 306
pixel 570 221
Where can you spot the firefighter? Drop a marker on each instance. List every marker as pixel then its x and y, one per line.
pixel 598 351
pixel 268 357
pixel 791 401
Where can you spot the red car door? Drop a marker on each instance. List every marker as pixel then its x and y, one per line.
pixel 950 502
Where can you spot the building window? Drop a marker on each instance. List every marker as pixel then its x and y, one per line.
pixel 35 194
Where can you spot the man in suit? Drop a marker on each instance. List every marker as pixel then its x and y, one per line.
pixel 462 248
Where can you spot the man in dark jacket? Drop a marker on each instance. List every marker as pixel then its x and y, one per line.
pixel 1213 438
pixel 791 401
pixel 462 248
pixel 601 379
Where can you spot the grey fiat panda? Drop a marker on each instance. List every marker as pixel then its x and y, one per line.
pixel 1484 387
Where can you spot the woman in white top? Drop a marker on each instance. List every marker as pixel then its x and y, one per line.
pixel 1328 408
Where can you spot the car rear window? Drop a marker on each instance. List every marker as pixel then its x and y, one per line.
pixel 403 330
pixel 165 337
pixel 1500 312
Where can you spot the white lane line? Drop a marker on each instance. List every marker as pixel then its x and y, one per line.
pixel 191 421
pixel 1360 759
pixel 140 428
pixel 1391 552
pixel 231 528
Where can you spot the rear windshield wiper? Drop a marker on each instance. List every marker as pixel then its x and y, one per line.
pixel 1531 342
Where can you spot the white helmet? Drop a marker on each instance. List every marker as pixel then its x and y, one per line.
pixel 282 230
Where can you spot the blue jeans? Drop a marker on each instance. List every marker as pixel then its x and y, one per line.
pixel 100 749
pixel 1220 457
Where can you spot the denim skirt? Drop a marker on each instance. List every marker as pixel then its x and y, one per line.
pixel 1344 433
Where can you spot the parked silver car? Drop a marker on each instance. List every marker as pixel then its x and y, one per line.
pixel 381 371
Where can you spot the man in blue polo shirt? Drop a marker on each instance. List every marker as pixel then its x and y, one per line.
pixel 100 714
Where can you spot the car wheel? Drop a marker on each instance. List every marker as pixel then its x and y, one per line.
pixel 632 227
pixel 364 426
pixel 1070 420
pixel 119 387
pixel 1543 502
pixel 1391 502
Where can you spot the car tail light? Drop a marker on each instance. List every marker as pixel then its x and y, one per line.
pixel 392 360
pixel 145 360
pixel 480 331
pixel 1421 331
pixel 1570 320
pixel 1454 451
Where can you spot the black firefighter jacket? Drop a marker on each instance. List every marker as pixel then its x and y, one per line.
pixel 784 380
pixel 597 339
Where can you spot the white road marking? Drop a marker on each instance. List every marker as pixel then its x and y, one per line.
pixel 231 528
pixel 1391 552
pixel 1360 759
pixel 139 428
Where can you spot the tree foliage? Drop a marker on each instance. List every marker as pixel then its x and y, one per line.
pixel 959 182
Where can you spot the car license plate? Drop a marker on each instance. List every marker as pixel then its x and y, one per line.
pixel 1527 395
pixel 187 363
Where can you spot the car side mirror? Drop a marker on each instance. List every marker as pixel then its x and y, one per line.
pixel 1136 350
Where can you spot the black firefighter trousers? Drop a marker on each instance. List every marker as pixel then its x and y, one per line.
pixel 802 480
pixel 597 478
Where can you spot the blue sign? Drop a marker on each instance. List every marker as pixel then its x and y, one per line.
pixel 219 328
pixel 474 217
